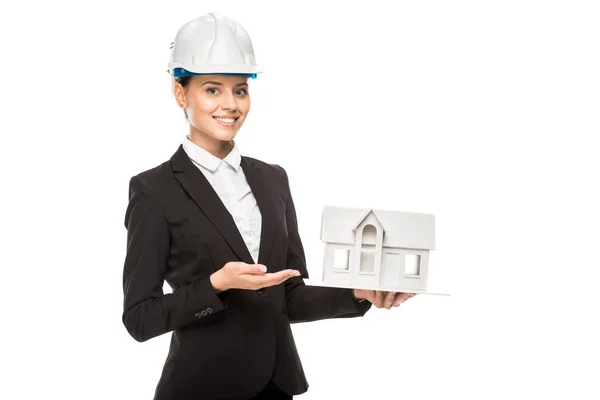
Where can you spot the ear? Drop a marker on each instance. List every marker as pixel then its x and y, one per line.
pixel 179 93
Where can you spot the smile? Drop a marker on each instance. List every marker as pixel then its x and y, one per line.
pixel 225 121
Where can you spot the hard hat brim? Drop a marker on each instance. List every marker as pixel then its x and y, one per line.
pixel 181 72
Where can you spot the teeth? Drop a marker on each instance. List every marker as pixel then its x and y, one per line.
pixel 225 120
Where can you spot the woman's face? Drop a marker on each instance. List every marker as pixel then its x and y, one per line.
pixel 216 106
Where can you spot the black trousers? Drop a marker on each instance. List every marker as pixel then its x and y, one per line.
pixel 271 392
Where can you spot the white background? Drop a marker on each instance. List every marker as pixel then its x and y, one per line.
pixel 483 113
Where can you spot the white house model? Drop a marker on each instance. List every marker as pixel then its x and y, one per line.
pixel 377 249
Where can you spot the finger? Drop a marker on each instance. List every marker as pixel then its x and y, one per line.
pixel 293 273
pixel 273 278
pixel 379 297
pixel 363 294
pixel 389 300
pixel 401 298
pixel 282 276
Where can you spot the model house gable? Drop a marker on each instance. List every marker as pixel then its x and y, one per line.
pixel 369 229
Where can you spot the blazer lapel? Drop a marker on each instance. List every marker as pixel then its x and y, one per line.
pixel 200 190
pixel 263 194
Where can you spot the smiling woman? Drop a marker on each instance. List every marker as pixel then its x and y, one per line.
pixel 220 228
pixel 215 106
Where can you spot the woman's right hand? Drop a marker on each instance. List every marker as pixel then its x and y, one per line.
pixel 239 275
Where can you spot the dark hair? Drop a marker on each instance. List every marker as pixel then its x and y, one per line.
pixel 183 80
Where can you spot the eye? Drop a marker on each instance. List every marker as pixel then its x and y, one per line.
pixel 241 92
pixel 212 90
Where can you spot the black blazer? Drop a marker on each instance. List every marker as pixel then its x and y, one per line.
pixel 227 345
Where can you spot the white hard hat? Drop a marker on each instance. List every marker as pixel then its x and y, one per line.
pixel 212 44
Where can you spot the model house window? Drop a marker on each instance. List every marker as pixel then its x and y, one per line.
pixel 369 235
pixel 367 261
pixel 412 265
pixel 341 258
pixel 367 252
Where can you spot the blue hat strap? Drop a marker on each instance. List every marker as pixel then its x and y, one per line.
pixel 180 72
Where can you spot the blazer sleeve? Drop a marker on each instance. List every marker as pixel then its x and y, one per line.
pixel 312 303
pixel 147 311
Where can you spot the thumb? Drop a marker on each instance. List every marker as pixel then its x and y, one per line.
pixel 255 269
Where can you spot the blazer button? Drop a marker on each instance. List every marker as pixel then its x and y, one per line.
pixel 209 310
pixel 198 315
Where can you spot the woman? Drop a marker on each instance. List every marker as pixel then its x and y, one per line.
pixel 221 229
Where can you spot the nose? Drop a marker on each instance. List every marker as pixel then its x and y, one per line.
pixel 229 103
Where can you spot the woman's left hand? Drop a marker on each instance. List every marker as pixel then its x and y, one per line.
pixel 381 299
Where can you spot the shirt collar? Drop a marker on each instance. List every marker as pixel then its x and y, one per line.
pixel 209 161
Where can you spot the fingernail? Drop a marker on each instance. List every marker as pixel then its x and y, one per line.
pixel 296 273
pixel 263 269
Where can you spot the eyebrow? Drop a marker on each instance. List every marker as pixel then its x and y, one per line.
pixel 220 84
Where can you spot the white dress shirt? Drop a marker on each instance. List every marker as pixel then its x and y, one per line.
pixel 229 182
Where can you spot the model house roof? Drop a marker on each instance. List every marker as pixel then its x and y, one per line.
pixel 401 229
